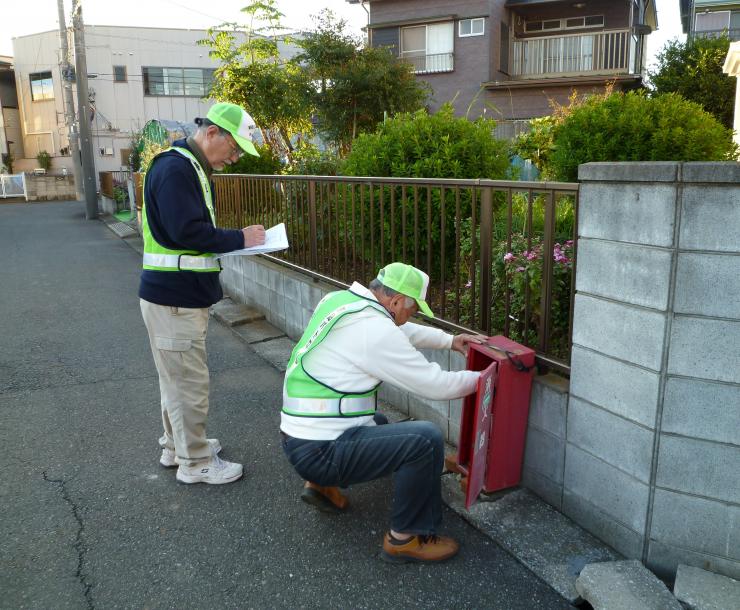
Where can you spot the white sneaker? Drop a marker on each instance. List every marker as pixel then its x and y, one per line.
pixel 215 471
pixel 168 455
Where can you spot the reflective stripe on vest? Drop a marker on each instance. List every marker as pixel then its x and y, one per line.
pixel 156 256
pixel 305 396
pixel 183 262
pixel 330 407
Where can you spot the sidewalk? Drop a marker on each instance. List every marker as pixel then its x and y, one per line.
pixel 91 520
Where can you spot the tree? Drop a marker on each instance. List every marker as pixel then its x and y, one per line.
pixel 354 87
pixel 252 75
pixel 694 71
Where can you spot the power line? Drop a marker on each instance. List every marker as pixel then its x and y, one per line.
pixel 192 10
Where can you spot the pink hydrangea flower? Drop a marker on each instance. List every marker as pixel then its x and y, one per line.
pixel 508 257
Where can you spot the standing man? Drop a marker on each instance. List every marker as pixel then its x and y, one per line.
pixel 179 283
pixel 355 340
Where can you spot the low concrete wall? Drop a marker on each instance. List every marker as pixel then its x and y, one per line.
pixel 48 188
pixel 107 205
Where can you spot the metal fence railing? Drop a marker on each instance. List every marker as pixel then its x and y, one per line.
pixel 429 64
pixel 500 254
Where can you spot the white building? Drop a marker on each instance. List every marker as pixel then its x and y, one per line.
pixel 135 74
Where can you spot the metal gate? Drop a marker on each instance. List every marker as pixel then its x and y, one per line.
pixel 13 185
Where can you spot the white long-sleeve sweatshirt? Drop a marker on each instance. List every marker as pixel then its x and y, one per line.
pixel 366 348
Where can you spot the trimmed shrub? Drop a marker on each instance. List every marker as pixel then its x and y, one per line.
pixel 423 145
pixel 628 127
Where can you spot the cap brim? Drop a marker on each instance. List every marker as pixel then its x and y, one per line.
pixel 246 145
pixel 424 308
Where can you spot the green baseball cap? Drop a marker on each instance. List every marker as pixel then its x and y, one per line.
pixel 237 122
pixel 409 281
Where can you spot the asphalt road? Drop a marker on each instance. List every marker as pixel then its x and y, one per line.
pixel 90 519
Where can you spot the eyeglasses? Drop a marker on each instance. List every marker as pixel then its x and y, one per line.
pixel 233 146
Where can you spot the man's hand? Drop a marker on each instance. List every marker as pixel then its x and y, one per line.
pixel 254 235
pixel 460 342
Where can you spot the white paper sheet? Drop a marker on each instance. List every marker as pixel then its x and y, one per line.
pixel 275 239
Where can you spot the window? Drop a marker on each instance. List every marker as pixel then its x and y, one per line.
pixel 119 74
pixel 470 27
pixel 735 20
pixel 593 21
pixel 711 22
pixel 428 47
pixel 189 82
pixel 42 87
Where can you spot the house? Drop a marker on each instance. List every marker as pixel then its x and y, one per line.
pixel 11 140
pixel 135 74
pixel 711 18
pixel 507 59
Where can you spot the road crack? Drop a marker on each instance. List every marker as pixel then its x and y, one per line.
pixel 77 545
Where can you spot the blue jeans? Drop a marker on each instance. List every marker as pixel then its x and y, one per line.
pixel 413 452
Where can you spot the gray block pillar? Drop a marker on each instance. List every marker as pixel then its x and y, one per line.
pixel 652 453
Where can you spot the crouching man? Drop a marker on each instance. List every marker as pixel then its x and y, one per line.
pixel 355 340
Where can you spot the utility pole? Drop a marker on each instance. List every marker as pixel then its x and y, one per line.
pixel 83 109
pixel 69 102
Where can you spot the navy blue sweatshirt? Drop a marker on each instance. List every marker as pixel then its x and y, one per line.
pixel 179 220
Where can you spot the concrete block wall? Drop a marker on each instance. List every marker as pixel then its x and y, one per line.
pixel 652 442
pixel 48 188
pixel 544 452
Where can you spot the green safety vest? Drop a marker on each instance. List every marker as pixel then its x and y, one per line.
pixel 304 396
pixel 156 256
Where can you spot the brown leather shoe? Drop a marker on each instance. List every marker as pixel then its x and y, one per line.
pixel 419 548
pixel 326 499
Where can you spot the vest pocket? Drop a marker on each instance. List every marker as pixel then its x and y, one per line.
pixel 173 345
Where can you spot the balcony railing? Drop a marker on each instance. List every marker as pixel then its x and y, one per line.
pixel 610 52
pixel 429 64
pixel 733 34
pixel 501 255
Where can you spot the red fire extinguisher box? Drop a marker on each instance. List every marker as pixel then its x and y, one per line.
pixel 493 424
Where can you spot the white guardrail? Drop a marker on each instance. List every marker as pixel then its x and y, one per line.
pixel 13 185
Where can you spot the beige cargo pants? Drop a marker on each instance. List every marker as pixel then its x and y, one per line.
pixel 177 336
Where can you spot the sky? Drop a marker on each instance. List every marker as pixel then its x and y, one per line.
pixel 22 17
